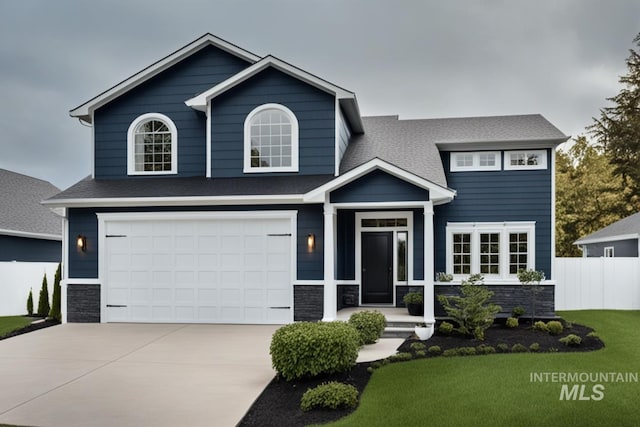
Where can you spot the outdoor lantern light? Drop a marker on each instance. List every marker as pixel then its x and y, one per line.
pixel 311 242
pixel 82 242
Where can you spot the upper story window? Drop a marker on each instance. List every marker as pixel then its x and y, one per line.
pixel 271 140
pixel 152 144
pixel 529 159
pixel 475 161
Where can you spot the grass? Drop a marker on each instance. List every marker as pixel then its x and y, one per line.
pixel 11 323
pixel 497 389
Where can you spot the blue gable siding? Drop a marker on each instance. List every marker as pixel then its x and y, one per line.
pixel 378 186
pixel 13 248
pixel 495 196
pixel 314 109
pixel 164 93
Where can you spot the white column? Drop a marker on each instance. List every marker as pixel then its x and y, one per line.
pixel 330 291
pixel 429 316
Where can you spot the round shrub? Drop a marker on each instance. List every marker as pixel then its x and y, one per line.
pixel 418 346
pixel 517 311
pixel 518 348
pixel 445 328
pixel 503 348
pixel 554 327
pixel 512 322
pixel 330 395
pixel 485 349
pixel 540 326
pixel 434 350
pixel 369 324
pixel 467 351
pixel 450 352
pixel 307 349
pixel 571 340
pixel 534 347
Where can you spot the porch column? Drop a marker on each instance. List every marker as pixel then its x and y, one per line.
pixel 429 316
pixel 330 291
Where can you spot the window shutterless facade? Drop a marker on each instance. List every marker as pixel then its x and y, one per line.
pixel 475 161
pixel 495 250
pixel 526 159
pixel 152 145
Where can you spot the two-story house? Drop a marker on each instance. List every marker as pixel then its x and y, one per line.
pixel 232 188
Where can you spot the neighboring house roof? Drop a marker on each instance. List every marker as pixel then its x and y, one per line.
pixel 626 228
pixel 21 211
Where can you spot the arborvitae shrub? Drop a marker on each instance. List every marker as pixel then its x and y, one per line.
pixel 30 303
pixel 43 301
pixel 56 312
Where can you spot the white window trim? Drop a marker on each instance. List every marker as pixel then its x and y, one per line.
pixel 476 161
pixel 131 162
pixel 294 141
pixel 610 250
pixel 502 228
pixel 542 155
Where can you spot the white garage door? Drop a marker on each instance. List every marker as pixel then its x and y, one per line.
pixel 202 270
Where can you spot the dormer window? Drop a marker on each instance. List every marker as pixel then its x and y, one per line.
pixel 152 145
pixel 271 140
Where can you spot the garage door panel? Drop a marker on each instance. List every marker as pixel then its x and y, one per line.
pixel 209 296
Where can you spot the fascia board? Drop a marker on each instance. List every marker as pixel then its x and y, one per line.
pixel 29 235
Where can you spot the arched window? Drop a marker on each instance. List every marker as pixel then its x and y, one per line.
pixel 152 145
pixel 271 140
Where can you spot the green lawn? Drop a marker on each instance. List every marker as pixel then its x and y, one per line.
pixel 11 323
pixel 496 389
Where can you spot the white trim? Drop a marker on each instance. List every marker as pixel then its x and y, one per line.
pixel 93 148
pixel 542 158
pixel 330 307
pixel 76 281
pixel 29 235
pixel 295 144
pixel 208 172
pixel 176 201
pixel 553 211
pixel 526 144
pixel 429 265
pixel 475 166
pixel 609 249
pixel 131 162
pixel 85 110
pixel 65 268
pixel 336 145
pixel 308 282
pixel 437 193
pixel 607 239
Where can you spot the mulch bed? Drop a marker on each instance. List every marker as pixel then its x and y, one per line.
pixel 32 327
pixel 279 403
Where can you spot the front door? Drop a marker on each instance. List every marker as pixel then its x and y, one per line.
pixel 377 267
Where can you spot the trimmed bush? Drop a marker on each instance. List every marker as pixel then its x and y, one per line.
pixel 450 352
pixel 571 340
pixel 518 348
pixel 43 301
pixel 467 351
pixel 421 353
pixel 534 347
pixel 517 311
pixel 369 324
pixel 400 357
pixel 413 298
pixel 434 350
pixel 445 328
pixel 540 326
pixel 418 346
pixel 55 312
pixel 512 322
pixel 485 349
pixel 503 348
pixel 30 303
pixel 330 395
pixel 593 334
pixel 308 349
pixel 554 327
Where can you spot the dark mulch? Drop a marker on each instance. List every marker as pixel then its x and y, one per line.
pixel 32 327
pixel 279 403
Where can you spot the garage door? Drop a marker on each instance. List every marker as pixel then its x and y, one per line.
pixel 202 270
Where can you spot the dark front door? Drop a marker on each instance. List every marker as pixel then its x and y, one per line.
pixel 377 267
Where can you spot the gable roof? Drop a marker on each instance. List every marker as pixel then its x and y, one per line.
pixel 626 228
pixel 346 98
pixel 21 213
pixel 85 110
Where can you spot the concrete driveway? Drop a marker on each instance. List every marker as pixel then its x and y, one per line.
pixel 133 374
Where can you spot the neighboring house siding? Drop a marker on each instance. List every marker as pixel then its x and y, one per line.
pixel 496 196
pixel 310 220
pixel 164 93
pixel 314 109
pixel 378 186
pixel 14 248
pixel 622 248
pixel 344 135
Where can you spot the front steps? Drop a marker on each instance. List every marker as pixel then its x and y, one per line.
pixel 399 323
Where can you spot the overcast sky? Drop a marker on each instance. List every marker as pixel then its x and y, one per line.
pixel 417 59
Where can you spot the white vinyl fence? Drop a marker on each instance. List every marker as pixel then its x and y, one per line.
pixel 597 283
pixel 16 278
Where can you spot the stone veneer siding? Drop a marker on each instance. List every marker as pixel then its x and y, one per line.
pixel 83 303
pixel 308 302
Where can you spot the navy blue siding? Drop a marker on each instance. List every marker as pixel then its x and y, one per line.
pixel 378 186
pixel 164 93
pixel 13 248
pixel 314 109
pixel 495 196
pixel 310 220
pixel 418 244
pixel 621 248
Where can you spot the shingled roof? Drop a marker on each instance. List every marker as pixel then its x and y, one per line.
pixel 626 228
pixel 21 213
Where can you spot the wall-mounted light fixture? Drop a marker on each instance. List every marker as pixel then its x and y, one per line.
pixel 311 242
pixel 81 242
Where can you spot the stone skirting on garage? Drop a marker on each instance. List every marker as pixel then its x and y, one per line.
pixel 83 303
pixel 308 302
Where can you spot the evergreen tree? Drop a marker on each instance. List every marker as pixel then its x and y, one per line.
pixel 43 301
pixel 30 303
pixel 56 312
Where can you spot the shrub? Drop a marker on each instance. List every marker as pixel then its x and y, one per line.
pixel 530 280
pixel 450 352
pixel 552 350
pixel 43 301
pixel 568 325
pixel 467 351
pixel 418 346
pixel 330 395
pixel 554 327
pixel 593 334
pixel 55 312
pixel 400 357
pixel 443 277
pixel 412 298
pixel 434 350
pixel 571 340
pixel 471 310
pixel 445 328
pixel 503 348
pixel 512 322
pixel 307 349
pixel 517 311
pixel 518 348
pixel 540 326
pixel 369 324
pixel 534 347
pixel 30 303
pixel 421 353
pixel 485 349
